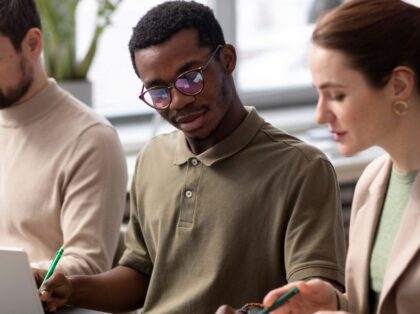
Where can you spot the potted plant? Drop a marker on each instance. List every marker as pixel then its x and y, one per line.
pixel 59 28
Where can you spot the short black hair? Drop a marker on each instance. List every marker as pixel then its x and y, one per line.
pixel 161 22
pixel 17 17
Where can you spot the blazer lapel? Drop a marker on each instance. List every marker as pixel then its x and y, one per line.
pixel 363 235
pixel 407 242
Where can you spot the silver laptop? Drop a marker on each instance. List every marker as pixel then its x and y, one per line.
pixel 18 291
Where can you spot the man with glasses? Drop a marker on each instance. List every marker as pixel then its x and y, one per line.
pixel 223 209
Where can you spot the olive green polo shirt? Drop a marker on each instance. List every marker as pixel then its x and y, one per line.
pixel 258 209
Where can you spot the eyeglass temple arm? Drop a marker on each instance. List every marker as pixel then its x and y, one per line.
pixel 212 56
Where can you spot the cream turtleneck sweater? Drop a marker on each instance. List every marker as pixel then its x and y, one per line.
pixel 63 182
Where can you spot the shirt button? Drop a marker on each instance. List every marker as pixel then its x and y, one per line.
pixel 188 193
pixel 194 162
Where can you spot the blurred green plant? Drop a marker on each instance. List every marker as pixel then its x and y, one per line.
pixel 59 27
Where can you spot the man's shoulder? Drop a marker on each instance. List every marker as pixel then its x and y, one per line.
pixel 78 111
pixel 74 122
pixel 164 141
pixel 286 143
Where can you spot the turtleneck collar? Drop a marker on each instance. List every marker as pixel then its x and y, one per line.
pixel 32 109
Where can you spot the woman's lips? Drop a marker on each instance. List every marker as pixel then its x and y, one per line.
pixel 338 136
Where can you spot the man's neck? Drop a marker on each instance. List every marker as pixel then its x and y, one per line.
pixel 232 119
pixel 39 82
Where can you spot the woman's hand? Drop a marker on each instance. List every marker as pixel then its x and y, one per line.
pixel 314 295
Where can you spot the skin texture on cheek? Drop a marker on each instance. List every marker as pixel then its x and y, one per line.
pixel 10 96
pixel 221 107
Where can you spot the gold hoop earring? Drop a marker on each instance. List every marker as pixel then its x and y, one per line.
pixel 400 107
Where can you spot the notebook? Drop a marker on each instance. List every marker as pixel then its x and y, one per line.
pixel 18 291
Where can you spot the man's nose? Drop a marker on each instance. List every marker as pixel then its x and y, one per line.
pixel 180 100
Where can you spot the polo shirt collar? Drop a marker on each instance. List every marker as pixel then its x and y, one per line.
pixel 227 147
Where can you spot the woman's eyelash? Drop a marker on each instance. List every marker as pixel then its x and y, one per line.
pixel 338 97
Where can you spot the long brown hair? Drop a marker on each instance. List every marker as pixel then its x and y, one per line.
pixel 376 36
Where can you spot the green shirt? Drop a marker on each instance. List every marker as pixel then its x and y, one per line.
pixel 396 199
pixel 254 211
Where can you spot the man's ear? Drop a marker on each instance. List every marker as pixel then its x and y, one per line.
pixel 228 58
pixel 402 82
pixel 32 42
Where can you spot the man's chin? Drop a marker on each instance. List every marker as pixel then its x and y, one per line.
pixel 7 101
pixel 14 95
pixel 196 136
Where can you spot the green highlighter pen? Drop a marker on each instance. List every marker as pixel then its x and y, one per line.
pixel 52 266
pixel 280 301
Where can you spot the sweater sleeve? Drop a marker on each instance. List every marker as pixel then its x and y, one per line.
pixel 93 200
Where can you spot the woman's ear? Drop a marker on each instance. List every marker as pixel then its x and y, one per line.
pixel 402 82
pixel 228 58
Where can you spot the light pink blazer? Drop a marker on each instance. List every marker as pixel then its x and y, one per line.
pixel 401 286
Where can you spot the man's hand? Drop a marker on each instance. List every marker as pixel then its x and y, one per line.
pixel 39 275
pixel 55 292
pixel 314 295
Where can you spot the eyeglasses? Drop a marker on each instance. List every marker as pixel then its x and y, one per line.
pixel 188 83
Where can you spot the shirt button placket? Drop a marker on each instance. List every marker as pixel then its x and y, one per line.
pixel 189 195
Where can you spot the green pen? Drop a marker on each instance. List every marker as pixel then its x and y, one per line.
pixel 52 266
pixel 280 301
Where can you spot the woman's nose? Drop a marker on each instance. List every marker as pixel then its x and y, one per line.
pixel 323 112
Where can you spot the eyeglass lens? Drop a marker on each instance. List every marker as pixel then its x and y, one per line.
pixel 158 97
pixel 190 83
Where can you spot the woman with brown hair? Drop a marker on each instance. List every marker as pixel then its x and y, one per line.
pixel 365 65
